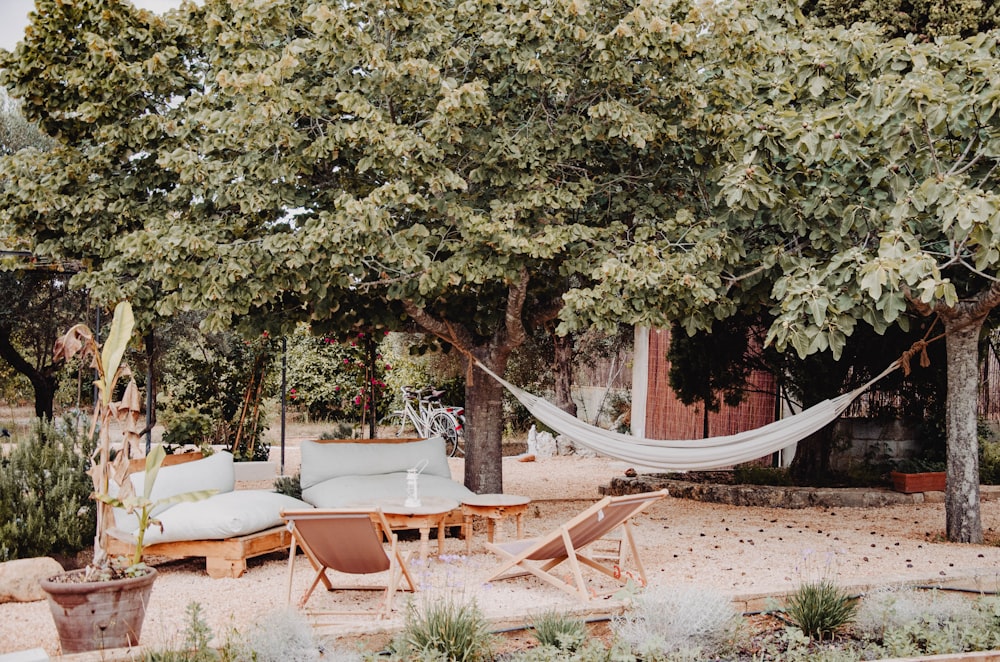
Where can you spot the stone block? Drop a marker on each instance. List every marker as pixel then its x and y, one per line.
pixel 19 578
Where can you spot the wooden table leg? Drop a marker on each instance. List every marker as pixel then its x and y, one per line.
pixel 467 531
pixel 425 537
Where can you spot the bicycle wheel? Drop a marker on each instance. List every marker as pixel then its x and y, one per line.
pixel 446 425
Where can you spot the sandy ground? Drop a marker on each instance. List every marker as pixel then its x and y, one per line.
pixel 742 551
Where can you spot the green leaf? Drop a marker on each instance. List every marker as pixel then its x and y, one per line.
pixel 114 347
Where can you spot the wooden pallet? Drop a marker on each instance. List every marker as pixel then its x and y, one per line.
pixel 223 558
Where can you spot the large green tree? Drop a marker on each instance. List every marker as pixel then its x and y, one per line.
pixel 453 165
pixel 36 302
pixel 859 186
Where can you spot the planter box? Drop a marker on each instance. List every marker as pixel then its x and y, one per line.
pixel 930 481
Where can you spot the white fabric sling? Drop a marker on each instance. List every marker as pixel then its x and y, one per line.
pixel 689 454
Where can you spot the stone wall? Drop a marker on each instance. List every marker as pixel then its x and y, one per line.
pixel 861 438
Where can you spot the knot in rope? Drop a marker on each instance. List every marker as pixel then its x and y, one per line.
pixel 920 347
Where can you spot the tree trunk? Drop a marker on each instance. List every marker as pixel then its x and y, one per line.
pixel 563 370
pixel 963 522
pixel 484 424
pixel 811 464
pixel 43 382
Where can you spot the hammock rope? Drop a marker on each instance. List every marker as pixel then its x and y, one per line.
pixel 691 454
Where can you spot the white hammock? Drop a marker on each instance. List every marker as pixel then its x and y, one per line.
pixel 689 454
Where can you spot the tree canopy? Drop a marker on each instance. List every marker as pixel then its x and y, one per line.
pixel 858 186
pixel 456 166
pixel 476 170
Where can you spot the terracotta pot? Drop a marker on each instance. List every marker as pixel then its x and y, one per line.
pixel 98 615
pixel 928 481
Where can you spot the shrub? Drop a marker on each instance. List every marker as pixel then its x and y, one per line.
pixel 444 630
pixel 754 474
pixel 559 630
pixel 281 636
pixel 688 621
pixel 908 622
pixel 289 485
pixel 820 609
pixel 197 637
pixel 45 504
pixel 989 462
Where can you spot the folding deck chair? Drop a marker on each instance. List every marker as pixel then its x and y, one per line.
pixel 538 556
pixel 348 541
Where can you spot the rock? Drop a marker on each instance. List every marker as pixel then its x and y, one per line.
pixel 567 446
pixel 545 446
pixel 19 578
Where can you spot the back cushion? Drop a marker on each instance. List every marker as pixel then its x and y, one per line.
pixel 214 472
pixel 330 460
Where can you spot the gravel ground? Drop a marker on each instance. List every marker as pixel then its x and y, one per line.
pixel 742 551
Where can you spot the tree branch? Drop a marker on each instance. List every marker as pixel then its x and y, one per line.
pixel 517 293
pixel 456 335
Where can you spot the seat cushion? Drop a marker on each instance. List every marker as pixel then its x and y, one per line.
pixel 351 490
pixel 224 515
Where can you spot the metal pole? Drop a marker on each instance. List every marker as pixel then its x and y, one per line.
pixel 284 396
pixel 97 337
pixel 372 402
pixel 150 342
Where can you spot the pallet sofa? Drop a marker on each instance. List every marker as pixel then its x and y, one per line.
pixel 226 529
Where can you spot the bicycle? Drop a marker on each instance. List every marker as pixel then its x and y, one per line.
pixel 423 411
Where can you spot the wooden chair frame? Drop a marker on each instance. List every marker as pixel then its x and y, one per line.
pixel 356 553
pixel 539 556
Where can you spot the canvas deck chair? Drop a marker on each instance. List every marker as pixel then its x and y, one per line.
pixel 348 541
pixel 568 543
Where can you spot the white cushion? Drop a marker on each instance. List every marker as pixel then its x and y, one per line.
pixel 214 472
pixel 321 461
pixel 224 515
pixel 351 490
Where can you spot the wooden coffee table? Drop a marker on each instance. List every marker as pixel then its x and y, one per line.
pixel 432 512
pixel 493 507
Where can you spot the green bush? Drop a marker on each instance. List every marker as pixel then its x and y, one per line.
pixel 989 462
pixel 197 640
pixel 677 622
pixel 820 609
pixel 187 428
pixel 444 630
pixel 280 636
pixel 45 504
pixel 289 485
pixel 755 474
pixel 560 631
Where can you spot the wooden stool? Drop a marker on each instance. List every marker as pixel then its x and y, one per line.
pixel 493 507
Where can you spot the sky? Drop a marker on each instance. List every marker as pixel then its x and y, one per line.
pixel 14 17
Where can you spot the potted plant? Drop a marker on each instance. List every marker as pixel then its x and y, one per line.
pixel 916 475
pixel 103 605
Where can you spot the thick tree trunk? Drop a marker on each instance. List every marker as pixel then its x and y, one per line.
pixel 963 522
pixel 563 370
pixel 43 382
pixel 484 424
pixel 811 464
